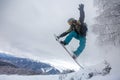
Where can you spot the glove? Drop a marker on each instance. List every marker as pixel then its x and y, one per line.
pixel 81 6
pixel 57 38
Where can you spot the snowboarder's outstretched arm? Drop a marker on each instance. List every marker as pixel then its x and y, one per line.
pixel 82 13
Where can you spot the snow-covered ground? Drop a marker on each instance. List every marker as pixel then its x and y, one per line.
pixel 38 77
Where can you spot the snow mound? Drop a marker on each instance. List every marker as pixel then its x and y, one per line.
pixel 101 69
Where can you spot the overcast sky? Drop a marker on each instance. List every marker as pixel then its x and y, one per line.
pixel 27 28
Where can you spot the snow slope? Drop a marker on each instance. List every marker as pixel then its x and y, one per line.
pixel 79 75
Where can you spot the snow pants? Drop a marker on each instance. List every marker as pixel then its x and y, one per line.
pixel 82 42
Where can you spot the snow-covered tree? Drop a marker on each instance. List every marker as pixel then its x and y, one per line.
pixel 107 24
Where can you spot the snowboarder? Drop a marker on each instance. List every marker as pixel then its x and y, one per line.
pixel 77 30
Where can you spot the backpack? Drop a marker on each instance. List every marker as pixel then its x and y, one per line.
pixel 83 29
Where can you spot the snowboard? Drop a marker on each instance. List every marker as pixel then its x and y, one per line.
pixel 68 51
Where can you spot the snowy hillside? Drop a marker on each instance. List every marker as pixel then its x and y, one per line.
pixel 14 65
pixel 100 70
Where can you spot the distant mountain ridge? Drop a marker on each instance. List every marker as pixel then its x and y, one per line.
pixel 24 66
pixel 4 63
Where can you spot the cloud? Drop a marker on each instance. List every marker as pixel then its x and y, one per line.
pixel 27 26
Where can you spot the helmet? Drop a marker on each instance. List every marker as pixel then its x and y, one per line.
pixel 71 20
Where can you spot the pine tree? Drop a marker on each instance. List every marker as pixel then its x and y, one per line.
pixel 107 24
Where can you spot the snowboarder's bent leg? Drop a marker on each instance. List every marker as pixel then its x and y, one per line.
pixel 81 46
pixel 70 36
